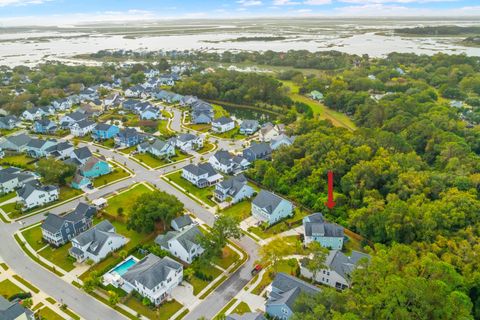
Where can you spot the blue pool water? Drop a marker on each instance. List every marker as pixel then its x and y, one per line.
pixel 122 268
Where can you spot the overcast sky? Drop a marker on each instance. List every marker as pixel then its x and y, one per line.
pixel 50 12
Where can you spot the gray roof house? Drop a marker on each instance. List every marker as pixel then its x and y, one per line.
pixel 58 230
pixel 228 163
pixel 246 316
pixel 61 150
pixel 153 277
pixel 16 143
pixel 183 244
pixel 81 154
pixel 96 243
pixel 249 127
pixel 181 222
pixel 270 208
pixel 9 122
pixel 236 188
pixel 201 175
pixel 34 194
pixel 257 151
pixel 281 140
pixel 14 310
pixel 339 268
pixel 329 235
pixel 285 290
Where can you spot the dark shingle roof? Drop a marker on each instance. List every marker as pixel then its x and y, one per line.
pixel 12 310
pixel 82 153
pixel 182 221
pixel 267 200
pixel 223 120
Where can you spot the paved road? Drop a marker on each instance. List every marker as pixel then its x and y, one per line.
pixel 86 306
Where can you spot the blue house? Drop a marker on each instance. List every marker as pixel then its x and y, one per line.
pixel 270 208
pixel 44 126
pixel 79 182
pixel 150 113
pixel 95 167
pixel 285 291
pixel 128 137
pixel 329 235
pixel 103 131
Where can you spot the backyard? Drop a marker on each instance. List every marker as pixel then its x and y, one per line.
pixel 18 160
pixel 125 199
pixel 204 194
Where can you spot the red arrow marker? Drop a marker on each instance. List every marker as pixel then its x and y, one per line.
pixel 330 203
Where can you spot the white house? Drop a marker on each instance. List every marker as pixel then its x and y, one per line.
pixel 158 148
pixel 8 181
pixel 201 175
pixel 33 114
pixel 236 188
pixel 179 223
pixel 96 243
pixel 227 163
pixel 33 195
pixel 134 92
pixel 154 278
pixel 183 244
pixel 82 128
pixel 270 208
pixel 187 142
pixel 281 140
pixel 67 120
pixel 339 267
pixel 223 124
pixel 270 131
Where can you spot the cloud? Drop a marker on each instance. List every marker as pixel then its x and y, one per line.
pixel 285 2
pixel 5 3
pixel 366 2
pixel 249 3
pixel 317 2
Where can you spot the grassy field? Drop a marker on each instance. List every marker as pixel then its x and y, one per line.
pixel 164 312
pixel 338 119
pixel 155 162
pixel 116 174
pixel 33 236
pixel 8 288
pixel 287 266
pixel 207 147
pixel 125 199
pixel 48 314
pixel 203 194
pixel 202 127
pixel 59 256
pixel 128 150
pixel 228 258
pixel 241 210
pixel 242 308
pixel 232 134
pixel 199 284
pixel 19 160
pixel 8 196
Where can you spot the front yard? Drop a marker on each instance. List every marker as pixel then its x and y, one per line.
pixel 116 174
pixel 199 284
pixel 156 162
pixel 204 194
pixel 207 147
pixel 228 258
pixel 163 312
pixel 232 134
pixel 48 314
pixel 8 289
pixel 240 210
pixel 125 200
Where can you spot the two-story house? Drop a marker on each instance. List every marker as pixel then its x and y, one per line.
pixel 188 142
pixel 95 167
pixel 128 137
pixel 16 143
pixel 37 148
pixel 61 150
pixel 150 113
pixel 249 127
pixel 33 114
pixel 154 278
pixel 281 140
pixel 9 122
pixel 234 189
pixel 103 131
pixel 81 155
pixel 33 194
pixel 44 126
pixel 338 268
pixel 96 243
pixel 329 235
pixel 284 292
pixel 82 128
pixel 158 148
pixel 258 151
pixel 271 208
pixel 201 175
pixel 183 244
pixel 227 163
pixel 14 310
pixel 58 230
pixel 69 119
pixel 223 124
pixel 270 131
pixel 12 178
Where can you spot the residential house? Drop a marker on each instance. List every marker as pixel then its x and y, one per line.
pixel 14 310
pixel 235 188
pixel 95 167
pixel 9 122
pixel 12 178
pixel 82 128
pixel 151 73
pixel 246 316
pixel 281 140
pixel 130 104
pixel 81 155
pixel 285 291
pixel 69 119
pixel 128 137
pixel 34 194
pixel 134 92
pixel 80 182
pixel 270 131
pixel 179 223
pixel 58 230
pixel 92 109
pixel 111 101
pixel 62 104
pixel 183 244
pixel 188 100
pixel 37 148
pixel 339 268
pixel 201 175
pixel 201 112
pixel 60 151
pixel 223 124
pixel 103 131
pixel 2 153
pixel 316 95
pixel 271 208
pixel 188 142
pixel 150 113
pixel 249 127
pixel 16 143
pixel 88 94
pixel 96 243
pixel 158 148
pixel 44 126
pixel 227 163
pixel 329 235
pixel 258 151
pixel 34 113
pixel 153 277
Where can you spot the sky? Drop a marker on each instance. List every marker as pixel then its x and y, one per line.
pixel 66 12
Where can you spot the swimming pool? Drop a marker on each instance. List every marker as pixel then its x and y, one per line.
pixel 124 266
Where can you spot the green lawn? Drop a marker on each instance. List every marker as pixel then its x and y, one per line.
pixel 163 128
pixel 116 174
pixel 66 193
pixel 207 147
pixel 18 160
pixel 241 210
pixel 108 143
pixel 48 314
pixel 219 111
pixel 242 308
pixel 33 236
pixel 128 150
pixel 155 162
pixel 125 199
pixel 8 196
pixel 232 134
pixel 199 284
pixel 26 283
pixel 203 194
pixel 202 127
pixel 228 258
pixel 164 312
pixel 59 256
pixel 8 289
pixel 10 208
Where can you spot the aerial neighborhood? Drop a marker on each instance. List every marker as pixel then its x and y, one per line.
pixel 146 199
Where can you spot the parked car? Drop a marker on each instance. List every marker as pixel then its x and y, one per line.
pixel 256 270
